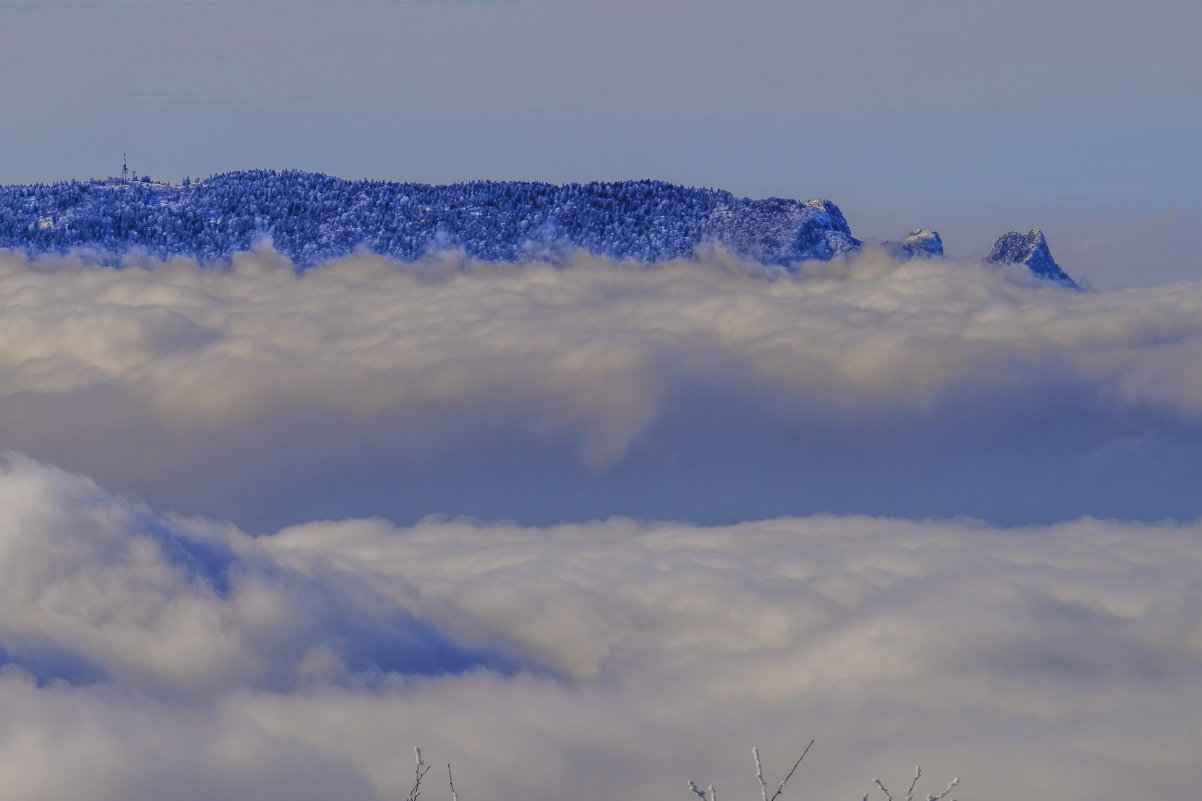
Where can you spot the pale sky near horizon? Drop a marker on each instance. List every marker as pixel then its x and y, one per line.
pixel 972 118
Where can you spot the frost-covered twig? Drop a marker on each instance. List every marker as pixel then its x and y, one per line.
pixel 697 791
pixel 910 792
pixel 945 792
pixel 759 774
pixel 451 781
pixel 419 773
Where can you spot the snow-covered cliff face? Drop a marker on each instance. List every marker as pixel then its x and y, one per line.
pixel 1031 250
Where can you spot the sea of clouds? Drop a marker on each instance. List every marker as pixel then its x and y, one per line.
pixel 708 391
pixel 159 657
pixel 233 562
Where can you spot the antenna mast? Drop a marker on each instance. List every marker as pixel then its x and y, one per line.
pixel 124 169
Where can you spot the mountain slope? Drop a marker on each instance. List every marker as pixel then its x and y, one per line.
pixel 312 217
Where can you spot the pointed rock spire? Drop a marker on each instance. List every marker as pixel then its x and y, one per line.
pixel 1030 250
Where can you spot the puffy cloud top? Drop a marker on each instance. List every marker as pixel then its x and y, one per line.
pixel 369 386
pixel 152 655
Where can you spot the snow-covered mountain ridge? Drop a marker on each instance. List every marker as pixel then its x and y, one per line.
pixel 311 218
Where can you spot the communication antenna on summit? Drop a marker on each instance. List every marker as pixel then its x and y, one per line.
pixel 124 169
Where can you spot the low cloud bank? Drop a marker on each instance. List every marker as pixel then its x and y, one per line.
pixel 711 390
pixel 150 656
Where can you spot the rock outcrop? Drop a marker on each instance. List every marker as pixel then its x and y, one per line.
pixel 1030 250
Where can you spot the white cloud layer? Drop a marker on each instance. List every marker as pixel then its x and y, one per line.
pixel 152 657
pixel 710 391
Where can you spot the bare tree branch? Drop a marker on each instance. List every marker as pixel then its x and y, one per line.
pixel 913 784
pixel 785 781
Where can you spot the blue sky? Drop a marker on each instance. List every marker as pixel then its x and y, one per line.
pixel 969 117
